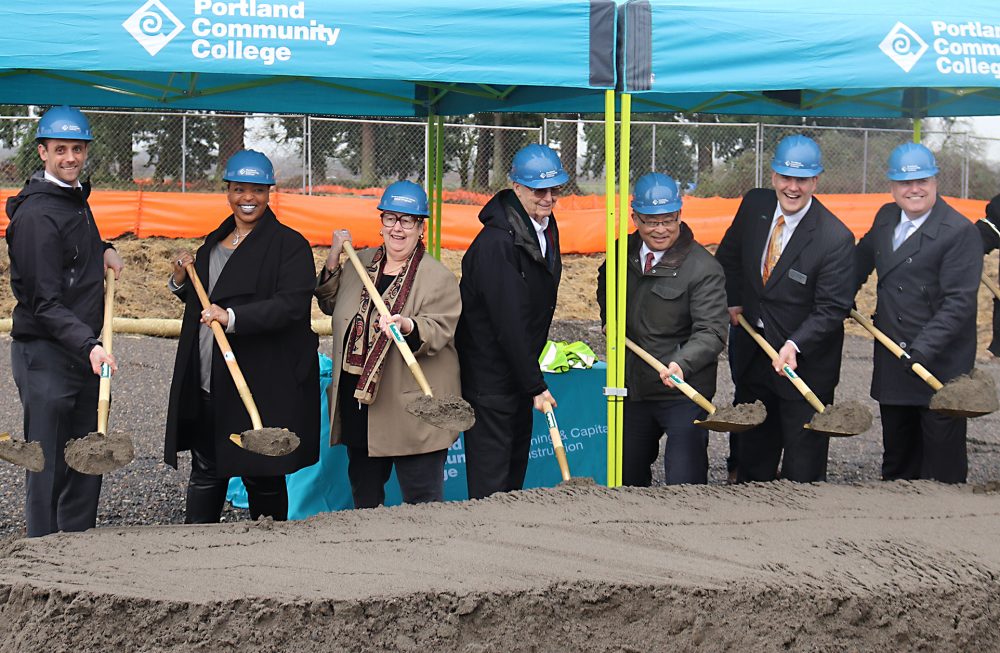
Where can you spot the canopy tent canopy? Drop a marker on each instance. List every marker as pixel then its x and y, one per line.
pixel 388 58
pixel 845 58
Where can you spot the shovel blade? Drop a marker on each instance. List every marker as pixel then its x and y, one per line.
pixel 267 441
pixel 99 454
pixel 723 426
pixel 450 413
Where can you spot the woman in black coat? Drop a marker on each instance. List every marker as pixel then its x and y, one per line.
pixel 258 274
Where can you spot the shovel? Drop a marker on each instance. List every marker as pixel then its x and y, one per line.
pixel 849 418
pixel 23 454
pixel 450 413
pixel 967 396
pixel 267 441
pixel 99 453
pixel 732 419
pixel 989 283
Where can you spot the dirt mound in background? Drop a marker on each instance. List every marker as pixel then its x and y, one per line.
pixel 762 567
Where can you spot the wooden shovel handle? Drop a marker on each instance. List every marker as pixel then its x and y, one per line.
pixel 557 445
pixel 107 333
pixel 682 385
pixel 897 351
pixel 227 351
pixel 397 337
pixel 989 283
pixel 796 380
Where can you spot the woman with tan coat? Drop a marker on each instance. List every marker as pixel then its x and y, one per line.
pixel 371 383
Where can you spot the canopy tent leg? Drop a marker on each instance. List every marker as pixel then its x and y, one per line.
pixel 610 300
pixel 439 184
pixel 624 147
pixel 917 125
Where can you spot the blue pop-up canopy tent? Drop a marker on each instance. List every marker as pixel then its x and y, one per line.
pixel 844 58
pixel 386 58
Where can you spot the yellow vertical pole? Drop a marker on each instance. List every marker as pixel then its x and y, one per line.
pixel 610 301
pixel 624 146
pixel 431 145
pixel 439 185
pixel 917 125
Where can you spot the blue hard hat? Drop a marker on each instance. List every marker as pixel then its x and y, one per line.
pixel 64 122
pixel 404 197
pixel 656 193
pixel 250 167
pixel 911 161
pixel 537 166
pixel 797 156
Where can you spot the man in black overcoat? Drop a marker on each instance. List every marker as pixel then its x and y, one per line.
pixel 929 261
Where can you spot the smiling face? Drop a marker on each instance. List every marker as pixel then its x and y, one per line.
pixel 916 197
pixel 659 231
pixel 537 202
pixel 794 193
pixel 63 159
pixel 400 241
pixel 248 201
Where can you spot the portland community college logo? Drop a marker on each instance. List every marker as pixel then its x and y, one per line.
pixel 153 26
pixel 904 46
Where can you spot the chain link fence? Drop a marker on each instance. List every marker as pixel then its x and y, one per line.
pixel 726 159
pixel 183 152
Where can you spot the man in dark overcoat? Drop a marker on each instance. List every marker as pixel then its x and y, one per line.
pixel 929 261
pixel 510 277
pixel 787 261
pixel 989 231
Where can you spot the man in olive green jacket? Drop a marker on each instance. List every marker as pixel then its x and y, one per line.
pixel 676 310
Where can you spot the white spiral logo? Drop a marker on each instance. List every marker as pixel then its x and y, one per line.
pixel 151 23
pixel 904 46
pixel 153 26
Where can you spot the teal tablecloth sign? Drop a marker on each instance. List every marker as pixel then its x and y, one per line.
pixel 582 416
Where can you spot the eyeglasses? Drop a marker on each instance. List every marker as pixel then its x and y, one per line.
pixel 540 193
pixel 670 221
pixel 405 221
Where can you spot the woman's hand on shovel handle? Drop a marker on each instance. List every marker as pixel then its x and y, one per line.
pixel 540 400
pixel 215 313
pixel 672 368
pixel 340 236
pixel 99 356
pixel 180 260
pixel 404 324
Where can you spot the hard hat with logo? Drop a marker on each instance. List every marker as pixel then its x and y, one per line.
pixel 404 197
pixel 250 167
pixel 64 122
pixel 537 166
pixel 656 193
pixel 911 161
pixel 797 156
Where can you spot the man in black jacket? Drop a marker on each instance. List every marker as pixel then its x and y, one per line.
pixel 510 276
pixel 788 263
pixel 929 263
pixel 57 264
pixel 675 310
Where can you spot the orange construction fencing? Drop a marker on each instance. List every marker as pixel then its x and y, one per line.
pixel 581 218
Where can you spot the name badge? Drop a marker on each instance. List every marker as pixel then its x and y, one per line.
pixel 797 276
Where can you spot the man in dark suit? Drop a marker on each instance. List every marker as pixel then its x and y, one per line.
pixel 787 261
pixel 929 261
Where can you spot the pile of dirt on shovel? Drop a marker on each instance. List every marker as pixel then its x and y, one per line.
pixel 975 392
pixel 759 567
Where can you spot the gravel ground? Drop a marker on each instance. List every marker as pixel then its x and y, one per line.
pixel 149 492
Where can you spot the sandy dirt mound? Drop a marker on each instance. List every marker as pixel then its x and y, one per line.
pixel 893 566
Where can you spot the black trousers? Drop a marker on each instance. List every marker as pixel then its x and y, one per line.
pixel 782 437
pixel 685 454
pixel 496 448
pixel 922 444
pixel 206 491
pixel 59 395
pixel 420 476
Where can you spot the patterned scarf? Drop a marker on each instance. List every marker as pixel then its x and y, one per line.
pixel 367 346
